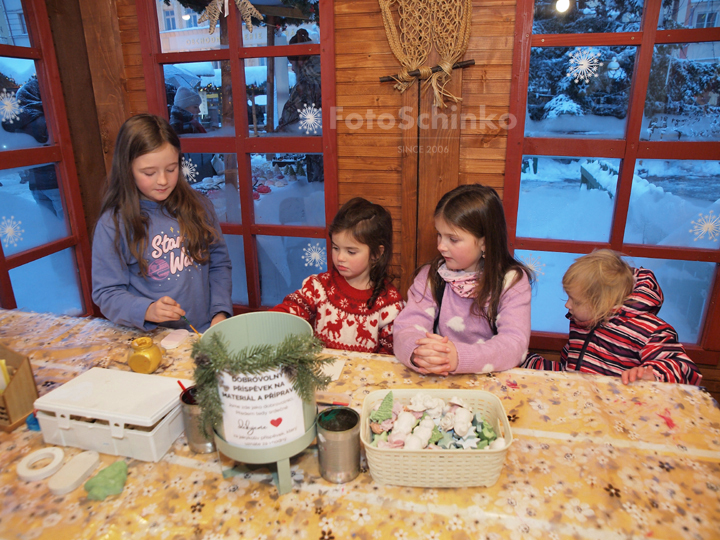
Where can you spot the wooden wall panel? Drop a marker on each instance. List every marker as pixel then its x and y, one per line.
pixel 369 162
pixel 374 161
pixel 486 93
pixel 76 80
pixel 130 38
pixel 102 34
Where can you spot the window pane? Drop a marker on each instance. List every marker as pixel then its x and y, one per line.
pixel 682 97
pixel 686 286
pixel 675 203
pixel 548 300
pixel 703 14
pixel 258 37
pixel 235 246
pixel 285 262
pixel 589 16
pixel 579 92
pixel 199 98
pixel 21 107
pixel 31 208
pixel 13 27
pixel 57 273
pixel 294 104
pixel 557 191
pixel 216 177
pixel 289 189
pixel 180 30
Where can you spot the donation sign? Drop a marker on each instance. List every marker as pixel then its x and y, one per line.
pixel 260 410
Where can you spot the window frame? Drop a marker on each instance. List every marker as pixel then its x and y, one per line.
pixel 243 144
pixel 629 150
pixel 58 151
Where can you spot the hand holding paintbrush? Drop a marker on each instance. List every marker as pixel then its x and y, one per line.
pixel 163 310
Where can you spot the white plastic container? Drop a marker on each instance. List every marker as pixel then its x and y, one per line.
pixel 121 413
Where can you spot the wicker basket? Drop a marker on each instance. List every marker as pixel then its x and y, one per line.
pixel 438 468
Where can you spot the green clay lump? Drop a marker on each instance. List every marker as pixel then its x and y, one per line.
pixel 109 481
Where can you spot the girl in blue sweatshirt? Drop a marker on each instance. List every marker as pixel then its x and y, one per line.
pixel 158 252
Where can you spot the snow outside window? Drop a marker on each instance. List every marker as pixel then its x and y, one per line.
pixel 579 92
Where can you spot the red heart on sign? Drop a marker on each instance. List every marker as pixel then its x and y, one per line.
pixel 276 422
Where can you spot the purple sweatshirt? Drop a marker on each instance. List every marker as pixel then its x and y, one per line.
pixel 479 350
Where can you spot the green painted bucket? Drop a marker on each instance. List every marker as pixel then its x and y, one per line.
pixel 253 329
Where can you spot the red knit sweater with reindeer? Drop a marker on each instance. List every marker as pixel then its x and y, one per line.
pixel 339 315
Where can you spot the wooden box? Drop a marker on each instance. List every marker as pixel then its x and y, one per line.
pixel 16 402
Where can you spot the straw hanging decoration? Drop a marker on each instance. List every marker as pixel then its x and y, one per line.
pixel 451 35
pixel 412 44
pixel 215 8
pixel 445 24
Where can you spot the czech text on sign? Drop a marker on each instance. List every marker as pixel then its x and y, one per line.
pixel 260 410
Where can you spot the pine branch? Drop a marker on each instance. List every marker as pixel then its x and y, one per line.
pixel 297 356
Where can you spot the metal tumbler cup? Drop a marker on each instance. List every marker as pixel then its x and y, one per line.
pixel 338 435
pixel 191 418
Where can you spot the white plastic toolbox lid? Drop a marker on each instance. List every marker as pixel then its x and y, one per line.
pixel 120 397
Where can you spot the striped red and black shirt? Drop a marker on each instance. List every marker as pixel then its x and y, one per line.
pixel 634 336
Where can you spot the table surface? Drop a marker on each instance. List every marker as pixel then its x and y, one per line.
pixel 591 459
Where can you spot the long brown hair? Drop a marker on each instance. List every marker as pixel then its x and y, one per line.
pixel 369 224
pixel 477 209
pixel 140 135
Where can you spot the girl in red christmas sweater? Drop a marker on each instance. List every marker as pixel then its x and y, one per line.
pixel 353 305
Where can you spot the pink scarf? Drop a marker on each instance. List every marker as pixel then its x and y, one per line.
pixel 462 282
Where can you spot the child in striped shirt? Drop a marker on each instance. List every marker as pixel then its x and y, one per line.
pixel 614 327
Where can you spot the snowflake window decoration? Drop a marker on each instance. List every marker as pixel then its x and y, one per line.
pixel 189 170
pixel 310 118
pixel 534 264
pixel 707 224
pixel 10 108
pixel 10 231
pixel 314 255
pixel 584 63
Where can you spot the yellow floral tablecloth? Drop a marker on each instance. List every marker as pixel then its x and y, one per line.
pixel 591 459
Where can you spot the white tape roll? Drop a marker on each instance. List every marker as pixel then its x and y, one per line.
pixel 27 474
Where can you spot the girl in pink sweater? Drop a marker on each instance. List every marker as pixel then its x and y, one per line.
pixel 468 311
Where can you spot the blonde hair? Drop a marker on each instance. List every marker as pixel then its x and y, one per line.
pixel 602 279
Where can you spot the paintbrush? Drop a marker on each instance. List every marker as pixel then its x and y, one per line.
pixel 184 318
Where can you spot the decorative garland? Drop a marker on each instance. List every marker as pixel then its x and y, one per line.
pixel 297 357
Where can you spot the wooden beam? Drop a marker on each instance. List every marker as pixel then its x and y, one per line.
pixel 82 116
pixel 438 149
pixel 105 58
